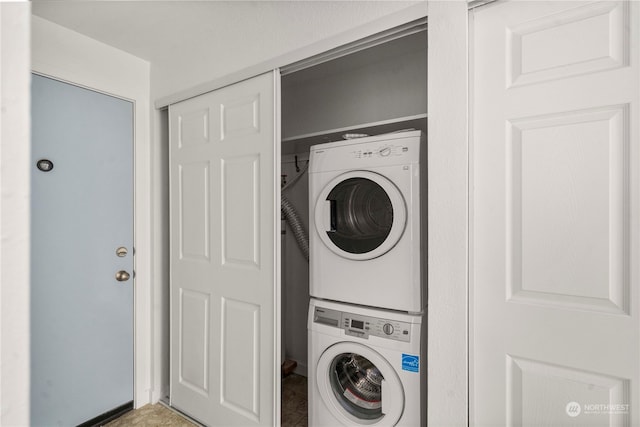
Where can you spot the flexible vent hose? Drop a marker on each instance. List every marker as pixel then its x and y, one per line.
pixel 295 222
pixel 293 219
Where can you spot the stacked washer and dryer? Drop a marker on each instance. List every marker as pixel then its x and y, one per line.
pixel 367 313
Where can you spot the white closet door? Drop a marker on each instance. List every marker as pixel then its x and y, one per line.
pixel 225 237
pixel 555 278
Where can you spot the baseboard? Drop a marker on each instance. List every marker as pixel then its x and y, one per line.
pixel 111 415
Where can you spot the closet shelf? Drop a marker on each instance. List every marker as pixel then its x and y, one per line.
pixel 417 121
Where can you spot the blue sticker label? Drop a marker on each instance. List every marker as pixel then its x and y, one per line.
pixel 410 363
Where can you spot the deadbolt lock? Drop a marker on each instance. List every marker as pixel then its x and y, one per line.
pixel 122 276
pixel 122 251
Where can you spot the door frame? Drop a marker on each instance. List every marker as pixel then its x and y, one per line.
pixel 448 229
pixel 14 213
pixel 448 213
pixel 53 49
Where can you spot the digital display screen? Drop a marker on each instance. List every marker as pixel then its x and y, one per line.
pixel 357 324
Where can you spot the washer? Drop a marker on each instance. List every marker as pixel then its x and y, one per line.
pixel 368 212
pixel 366 366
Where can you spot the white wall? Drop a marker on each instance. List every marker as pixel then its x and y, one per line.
pixel 64 54
pixel 447 354
pixel 160 261
pixel 348 91
pixel 274 28
pixel 297 37
pixel 14 213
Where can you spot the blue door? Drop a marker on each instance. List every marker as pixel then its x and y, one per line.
pixel 82 253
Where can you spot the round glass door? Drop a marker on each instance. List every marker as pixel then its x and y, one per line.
pixel 359 385
pixel 360 215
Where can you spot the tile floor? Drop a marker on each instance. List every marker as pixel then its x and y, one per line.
pixel 294 409
pixel 151 415
pixel 294 401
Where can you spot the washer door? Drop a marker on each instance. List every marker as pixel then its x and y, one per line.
pixel 360 215
pixel 359 386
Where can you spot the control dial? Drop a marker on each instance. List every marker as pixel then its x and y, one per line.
pixel 384 152
pixel 387 328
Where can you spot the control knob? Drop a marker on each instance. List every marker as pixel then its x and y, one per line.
pixel 387 328
pixel 384 152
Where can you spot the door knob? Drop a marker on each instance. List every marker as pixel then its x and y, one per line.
pixel 122 276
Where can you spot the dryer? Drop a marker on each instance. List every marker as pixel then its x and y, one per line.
pixel 367 204
pixel 366 366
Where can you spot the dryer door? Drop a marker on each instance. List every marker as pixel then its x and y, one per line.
pixel 359 386
pixel 360 215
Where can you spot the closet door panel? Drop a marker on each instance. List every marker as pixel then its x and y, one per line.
pixel 555 214
pixel 225 254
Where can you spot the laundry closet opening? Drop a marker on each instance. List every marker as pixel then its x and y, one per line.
pixel 370 87
pixel 379 87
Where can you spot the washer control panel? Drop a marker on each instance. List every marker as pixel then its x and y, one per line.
pixel 363 326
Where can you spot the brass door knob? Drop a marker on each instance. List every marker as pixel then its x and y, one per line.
pixel 122 276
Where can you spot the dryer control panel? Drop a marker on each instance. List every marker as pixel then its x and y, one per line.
pixel 385 150
pixel 363 326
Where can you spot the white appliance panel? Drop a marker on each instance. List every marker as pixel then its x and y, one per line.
pixel 366 366
pixel 367 243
